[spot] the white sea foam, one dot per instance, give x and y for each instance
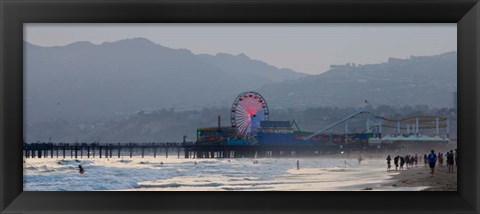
(149, 174)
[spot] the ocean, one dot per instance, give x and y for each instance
(242, 174)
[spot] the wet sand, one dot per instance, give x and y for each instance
(420, 176)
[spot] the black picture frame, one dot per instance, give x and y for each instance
(466, 13)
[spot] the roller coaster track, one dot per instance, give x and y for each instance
(382, 118)
(420, 127)
(414, 117)
(340, 121)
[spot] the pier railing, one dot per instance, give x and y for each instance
(184, 150)
(99, 150)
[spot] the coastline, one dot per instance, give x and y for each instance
(220, 175)
(420, 177)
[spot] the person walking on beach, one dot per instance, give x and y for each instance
(432, 159)
(455, 158)
(407, 161)
(425, 160)
(446, 157)
(360, 159)
(440, 159)
(410, 161)
(402, 162)
(395, 161)
(81, 170)
(415, 159)
(450, 161)
(388, 163)
(298, 164)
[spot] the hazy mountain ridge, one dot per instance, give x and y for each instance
(247, 69)
(425, 80)
(87, 81)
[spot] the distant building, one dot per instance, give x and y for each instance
(215, 135)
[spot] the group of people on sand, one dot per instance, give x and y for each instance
(400, 161)
(430, 159)
(451, 160)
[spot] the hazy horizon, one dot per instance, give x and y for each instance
(306, 48)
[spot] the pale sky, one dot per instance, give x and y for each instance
(307, 48)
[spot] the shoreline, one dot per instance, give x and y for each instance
(420, 177)
(314, 175)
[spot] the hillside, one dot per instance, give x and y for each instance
(84, 81)
(425, 80)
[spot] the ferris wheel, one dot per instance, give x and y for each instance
(248, 109)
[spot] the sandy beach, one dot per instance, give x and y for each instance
(420, 176)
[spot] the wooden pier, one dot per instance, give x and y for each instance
(182, 150)
(96, 150)
(273, 151)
